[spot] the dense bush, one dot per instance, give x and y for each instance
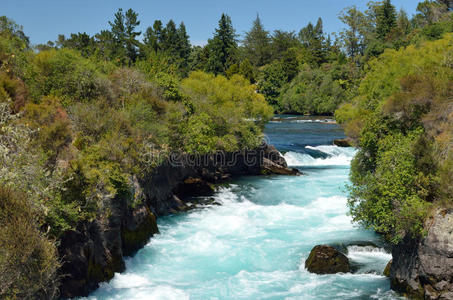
(319, 90)
(229, 113)
(402, 122)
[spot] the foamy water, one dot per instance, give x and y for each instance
(254, 246)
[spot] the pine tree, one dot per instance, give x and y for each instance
(125, 36)
(169, 39)
(257, 44)
(131, 42)
(222, 47)
(403, 22)
(118, 31)
(312, 37)
(184, 46)
(386, 20)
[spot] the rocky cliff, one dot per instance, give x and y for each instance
(423, 269)
(95, 250)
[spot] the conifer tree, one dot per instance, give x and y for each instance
(222, 47)
(385, 20)
(257, 44)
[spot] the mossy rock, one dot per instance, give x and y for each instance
(133, 240)
(387, 269)
(98, 273)
(324, 259)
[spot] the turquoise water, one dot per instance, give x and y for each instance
(255, 244)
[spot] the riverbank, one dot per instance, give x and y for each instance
(254, 245)
(96, 250)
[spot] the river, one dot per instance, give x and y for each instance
(254, 245)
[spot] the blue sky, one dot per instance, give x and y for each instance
(43, 20)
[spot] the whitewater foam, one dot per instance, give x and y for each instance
(335, 156)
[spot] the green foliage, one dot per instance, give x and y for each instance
(385, 19)
(227, 114)
(257, 44)
(272, 79)
(402, 123)
(28, 260)
(318, 90)
(66, 74)
(222, 47)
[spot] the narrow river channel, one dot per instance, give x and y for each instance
(254, 245)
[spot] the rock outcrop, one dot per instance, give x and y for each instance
(342, 142)
(95, 250)
(325, 259)
(423, 269)
(269, 167)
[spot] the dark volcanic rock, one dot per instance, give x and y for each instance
(274, 156)
(86, 260)
(423, 269)
(324, 259)
(95, 250)
(269, 167)
(387, 269)
(192, 187)
(342, 142)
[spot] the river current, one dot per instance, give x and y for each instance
(254, 245)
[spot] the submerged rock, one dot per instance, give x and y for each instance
(325, 259)
(423, 269)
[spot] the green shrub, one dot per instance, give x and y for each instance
(28, 260)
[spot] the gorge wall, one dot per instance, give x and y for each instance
(95, 250)
(423, 269)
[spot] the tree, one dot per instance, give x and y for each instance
(282, 41)
(257, 44)
(385, 20)
(403, 23)
(312, 37)
(290, 64)
(118, 31)
(106, 46)
(429, 12)
(184, 46)
(125, 36)
(153, 36)
(169, 39)
(80, 41)
(10, 28)
(353, 37)
(222, 47)
(131, 35)
(271, 81)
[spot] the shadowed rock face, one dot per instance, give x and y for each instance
(423, 269)
(95, 250)
(342, 142)
(324, 259)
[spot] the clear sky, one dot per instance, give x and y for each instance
(43, 20)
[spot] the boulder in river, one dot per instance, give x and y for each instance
(269, 167)
(325, 259)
